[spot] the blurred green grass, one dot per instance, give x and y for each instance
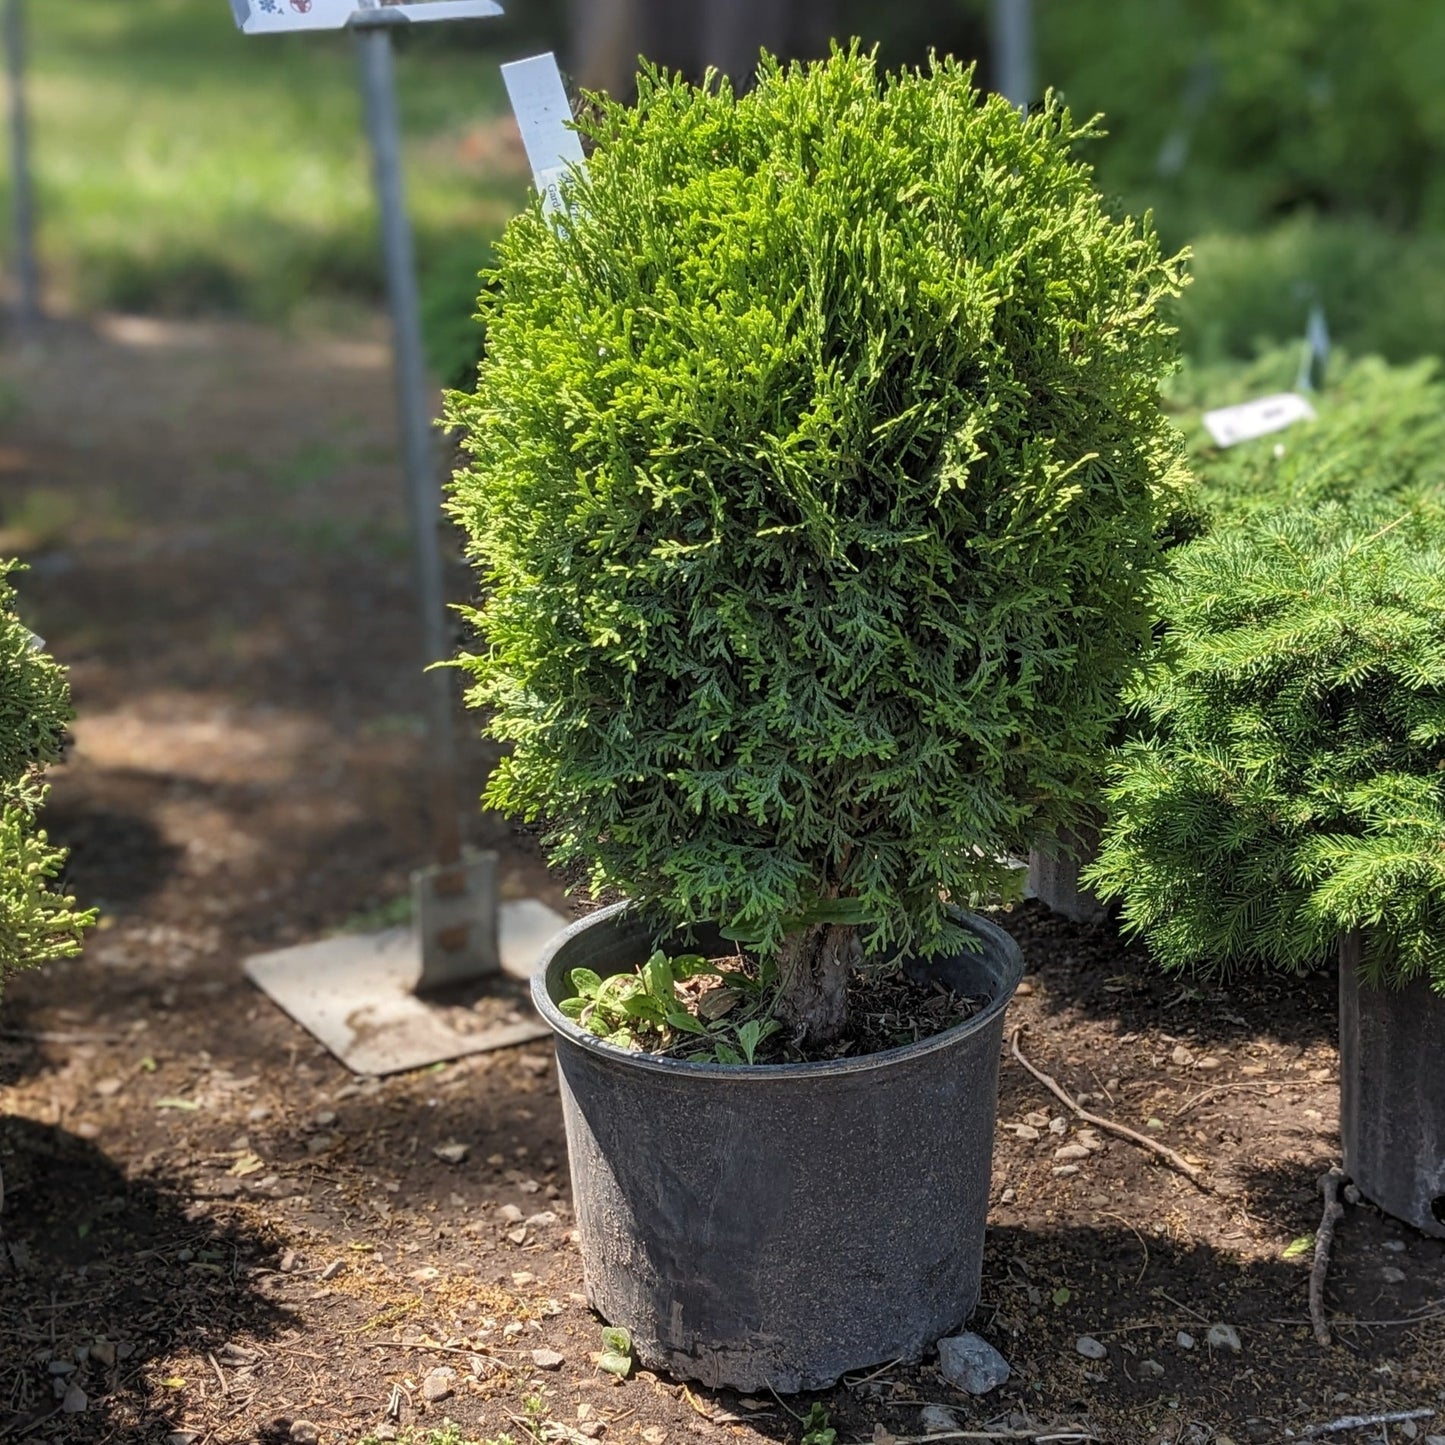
(184, 169)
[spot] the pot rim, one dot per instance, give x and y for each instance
(997, 938)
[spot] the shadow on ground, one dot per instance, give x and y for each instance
(1093, 971)
(100, 1275)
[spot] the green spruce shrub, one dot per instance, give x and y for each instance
(1288, 785)
(38, 924)
(816, 460)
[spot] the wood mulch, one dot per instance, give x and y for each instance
(213, 1232)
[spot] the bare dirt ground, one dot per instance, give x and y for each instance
(216, 1235)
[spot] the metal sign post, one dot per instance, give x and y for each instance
(22, 194)
(357, 994)
(1013, 51)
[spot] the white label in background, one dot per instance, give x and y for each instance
(1232, 424)
(269, 17)
(539, 101)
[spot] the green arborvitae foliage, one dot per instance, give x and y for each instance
(815, 463)
(37, 923)
(1290, 783)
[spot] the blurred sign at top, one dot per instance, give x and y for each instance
(268, 17)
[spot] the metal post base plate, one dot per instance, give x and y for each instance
(454, 906)
(356, 994)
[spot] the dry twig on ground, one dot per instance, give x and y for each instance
(1334, 1212)
(1173, 1160)
(1363, 1422)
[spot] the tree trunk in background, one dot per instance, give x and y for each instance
(604, 40)
(609, 35)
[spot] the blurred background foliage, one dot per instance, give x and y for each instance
(1297, 145)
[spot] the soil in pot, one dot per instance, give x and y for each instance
(778, 1225)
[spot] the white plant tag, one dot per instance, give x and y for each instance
(269, 17)
(1233, 424)
(539, 101)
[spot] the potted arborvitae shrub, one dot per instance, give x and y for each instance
(1285, 801)
(816, 463)
(38, 924)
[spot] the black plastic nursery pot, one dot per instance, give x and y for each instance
(1392, 1094)
(779, 1225)
(1054, 868)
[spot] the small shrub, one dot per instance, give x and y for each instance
(1382, 291)
(1379, 436)
(1289, 785)
(37, 923)
(816, 459)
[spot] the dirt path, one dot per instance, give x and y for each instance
(215, 1231)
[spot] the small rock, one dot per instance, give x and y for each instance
(103, 1353)
(1223, 1337)
(324, 1119)
(1391, 1275)
(1090, 1140)
(654, 1434)
(303, 1432)
(182, 1437)
(969, 1363)
(1065, 1171)
(256, 1114)
(1208, 1064)
(541, 1219)
(1352, 1195)
(452, 1153)
(521, 1277)
(1069, 1152)
(1026, 1132)
(87, 1130)
(438, 1384)
(333, 1269)
(510, 1214)
(1008, 1196)
(1181, 1057)
(75, 1400)
(61, 1367)
(937, 1421)
(591, 1428)
(1024, 989)
(1090, 1348)
(1059, 1125)
(1435, 1440)
(1395, 1246)
(288, 1261)
(109, 1088)
(1409, 1429)
(1151, 1367)
(1037, 1118)
(518, 1235)
(1184, 1340)
(548, 1359)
